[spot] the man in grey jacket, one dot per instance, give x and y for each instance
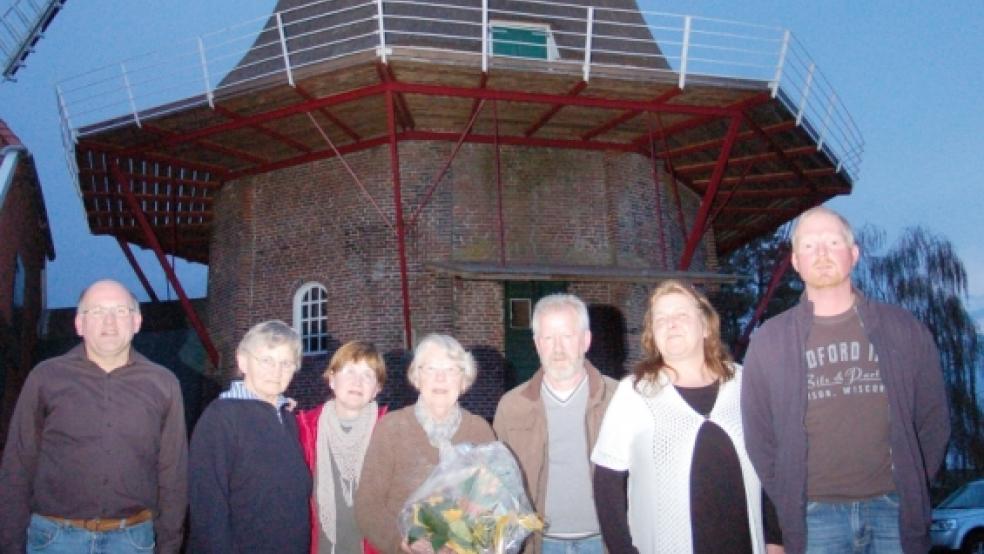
(844, 409)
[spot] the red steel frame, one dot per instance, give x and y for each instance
(138, 214)
(777, 272)
(398, 114)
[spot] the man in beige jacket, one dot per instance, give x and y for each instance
(551, 423)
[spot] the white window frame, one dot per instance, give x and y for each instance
(300, 301)
(553, 53)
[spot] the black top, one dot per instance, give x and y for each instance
(718, 510)
(86, 443)
(249, 485)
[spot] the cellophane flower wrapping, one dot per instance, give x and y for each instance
(473, 502)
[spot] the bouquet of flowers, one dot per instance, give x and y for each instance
(473, 503)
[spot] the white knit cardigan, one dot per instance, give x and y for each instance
(653, 438)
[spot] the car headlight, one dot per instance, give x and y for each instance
(943, 524)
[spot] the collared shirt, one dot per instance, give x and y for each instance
(86, 443)
(237, 390)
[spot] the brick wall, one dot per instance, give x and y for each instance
(21, 221)
(275, 232)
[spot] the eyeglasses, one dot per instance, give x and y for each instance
(350, 372)
(430, 370)
(116, 311)
(268, 363)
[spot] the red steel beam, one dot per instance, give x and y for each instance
(137, 211)
(697, 231)
(482, 82)
(329, 116)
(706, 118)
(790, 192)
(788, 212)
(351, 172)
(108, 150)
(658, 201)
(521, 141)
(777, 273)
(540, 98)
(401, 246)
(275, 135)
(548, 115)
(145, 196)
(305, 158)
(498, 184)
(403, 112)
(772, 145)
(263, 117)
(431, 135)
(209, 145)
(153, 179)
(716, 143)
(627, 115)
(773, 177)
(744, 160)
(447, 165)
(136, 269)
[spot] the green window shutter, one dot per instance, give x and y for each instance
(516, 41)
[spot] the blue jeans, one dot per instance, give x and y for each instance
(590, 545)
(45, 535)
(866, 526)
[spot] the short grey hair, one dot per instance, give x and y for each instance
(818, 210)
(452, 349)
(271, 334)
(134, 304)
(558, 301)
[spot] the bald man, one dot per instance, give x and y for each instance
(96, 456)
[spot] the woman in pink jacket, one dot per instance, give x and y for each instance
(335, 437)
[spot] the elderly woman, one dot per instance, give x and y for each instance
(248, 485)
(335, 437)
(673, 430)
(406, 444)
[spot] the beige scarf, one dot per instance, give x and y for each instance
(348, 449)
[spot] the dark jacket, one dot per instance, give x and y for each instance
(249, 487)
(774, 399)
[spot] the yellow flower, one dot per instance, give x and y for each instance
(452, 514)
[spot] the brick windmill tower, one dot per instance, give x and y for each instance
(387, 168)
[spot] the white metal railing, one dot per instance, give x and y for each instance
(587, 39)
(21, 25)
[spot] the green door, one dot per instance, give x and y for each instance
(521, 296)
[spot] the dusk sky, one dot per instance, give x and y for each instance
(908, 72)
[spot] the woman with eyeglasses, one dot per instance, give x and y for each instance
(249, 488)
(335, 437)
(406, 445)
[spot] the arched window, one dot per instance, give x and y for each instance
(311, 317)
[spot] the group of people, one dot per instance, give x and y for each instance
(824, 442)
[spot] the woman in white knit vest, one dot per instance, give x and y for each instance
(673, 432)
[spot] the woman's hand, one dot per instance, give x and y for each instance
(774, 549)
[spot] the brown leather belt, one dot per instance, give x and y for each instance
(103, 524)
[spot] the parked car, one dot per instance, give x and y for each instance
(958, 522)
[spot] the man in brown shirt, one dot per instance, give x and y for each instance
(96, 456)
